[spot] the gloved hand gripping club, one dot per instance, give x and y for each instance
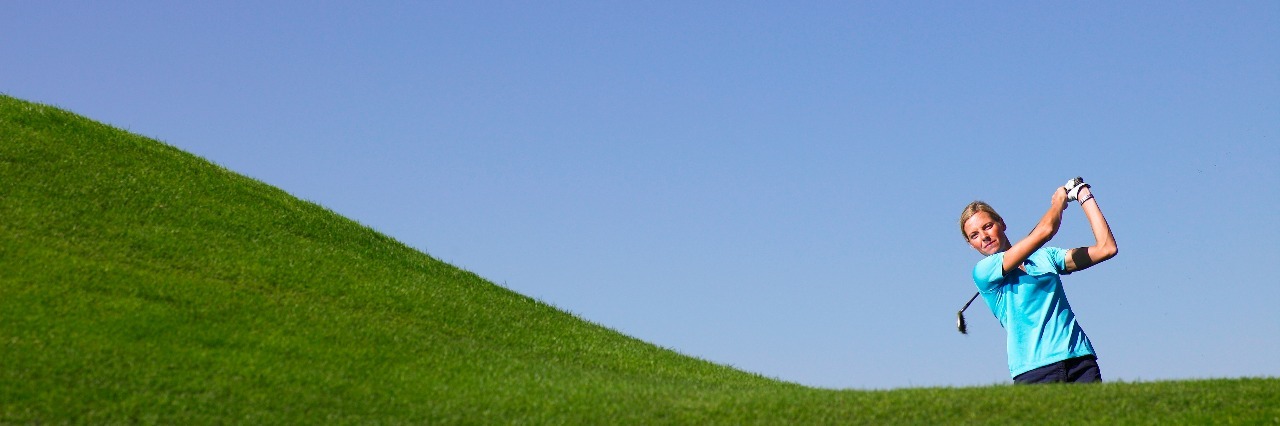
(1073, 187)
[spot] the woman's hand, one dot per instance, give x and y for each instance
(1059, 199)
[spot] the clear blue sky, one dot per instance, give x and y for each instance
(773, 186)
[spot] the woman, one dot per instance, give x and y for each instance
(1021, 283)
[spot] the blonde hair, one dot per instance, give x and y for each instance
(972, 209)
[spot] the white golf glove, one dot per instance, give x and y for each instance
(1073, 188)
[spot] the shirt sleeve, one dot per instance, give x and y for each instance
(989, 272)
(1058, 257)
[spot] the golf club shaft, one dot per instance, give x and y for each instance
(971, 299)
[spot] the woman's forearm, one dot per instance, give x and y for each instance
(1044, 231)
(1048, 226)
(1104, 241)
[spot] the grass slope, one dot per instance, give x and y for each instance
(139, 283)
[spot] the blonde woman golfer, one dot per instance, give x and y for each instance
(1022, 284)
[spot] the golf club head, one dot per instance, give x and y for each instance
(960, 325)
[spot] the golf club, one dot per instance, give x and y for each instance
(960, 325)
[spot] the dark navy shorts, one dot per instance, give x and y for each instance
(1075, 370)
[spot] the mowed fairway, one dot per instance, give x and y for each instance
(141, 284)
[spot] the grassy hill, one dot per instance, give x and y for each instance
(141, 284)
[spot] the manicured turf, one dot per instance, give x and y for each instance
(141, 284)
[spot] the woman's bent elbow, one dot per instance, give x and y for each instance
(1109, 251)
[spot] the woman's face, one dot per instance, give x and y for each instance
(985, 234)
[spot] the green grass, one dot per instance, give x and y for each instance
(141, 284)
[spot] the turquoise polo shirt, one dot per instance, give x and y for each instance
(1032, 307)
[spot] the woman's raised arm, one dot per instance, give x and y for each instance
(1041, 234)
(1104, 246)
